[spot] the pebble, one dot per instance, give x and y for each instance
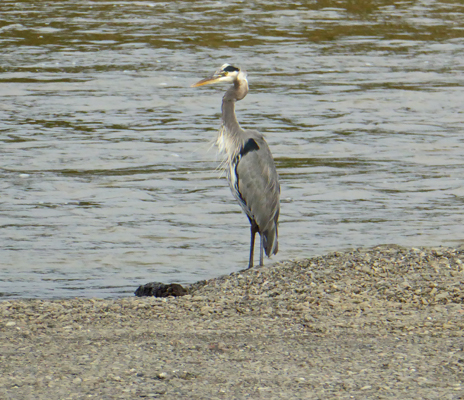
(162, 375)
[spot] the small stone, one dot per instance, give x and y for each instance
(162, 375)
(441, 296)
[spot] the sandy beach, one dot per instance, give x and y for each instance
(379, 323)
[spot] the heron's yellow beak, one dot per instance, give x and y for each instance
(207, 81)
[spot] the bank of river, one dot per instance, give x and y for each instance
(385, 323)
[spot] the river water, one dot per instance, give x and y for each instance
(108, 176)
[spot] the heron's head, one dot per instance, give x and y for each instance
(227, 73)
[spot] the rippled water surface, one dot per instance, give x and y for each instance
(108, 176)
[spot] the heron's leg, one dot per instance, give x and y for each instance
(261, 251)
(254, 229)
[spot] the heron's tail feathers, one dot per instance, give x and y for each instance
(270, 236)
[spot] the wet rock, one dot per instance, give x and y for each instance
(158, 289)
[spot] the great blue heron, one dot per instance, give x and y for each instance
(250, 167)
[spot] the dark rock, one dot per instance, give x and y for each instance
(159, 289)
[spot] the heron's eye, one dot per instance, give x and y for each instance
(230, 68)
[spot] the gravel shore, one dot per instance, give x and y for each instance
(379, 323)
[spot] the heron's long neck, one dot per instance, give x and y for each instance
(230, 138)
(233, 94)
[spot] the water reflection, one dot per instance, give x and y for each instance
(108, 178)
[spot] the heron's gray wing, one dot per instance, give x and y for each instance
(256, 187)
